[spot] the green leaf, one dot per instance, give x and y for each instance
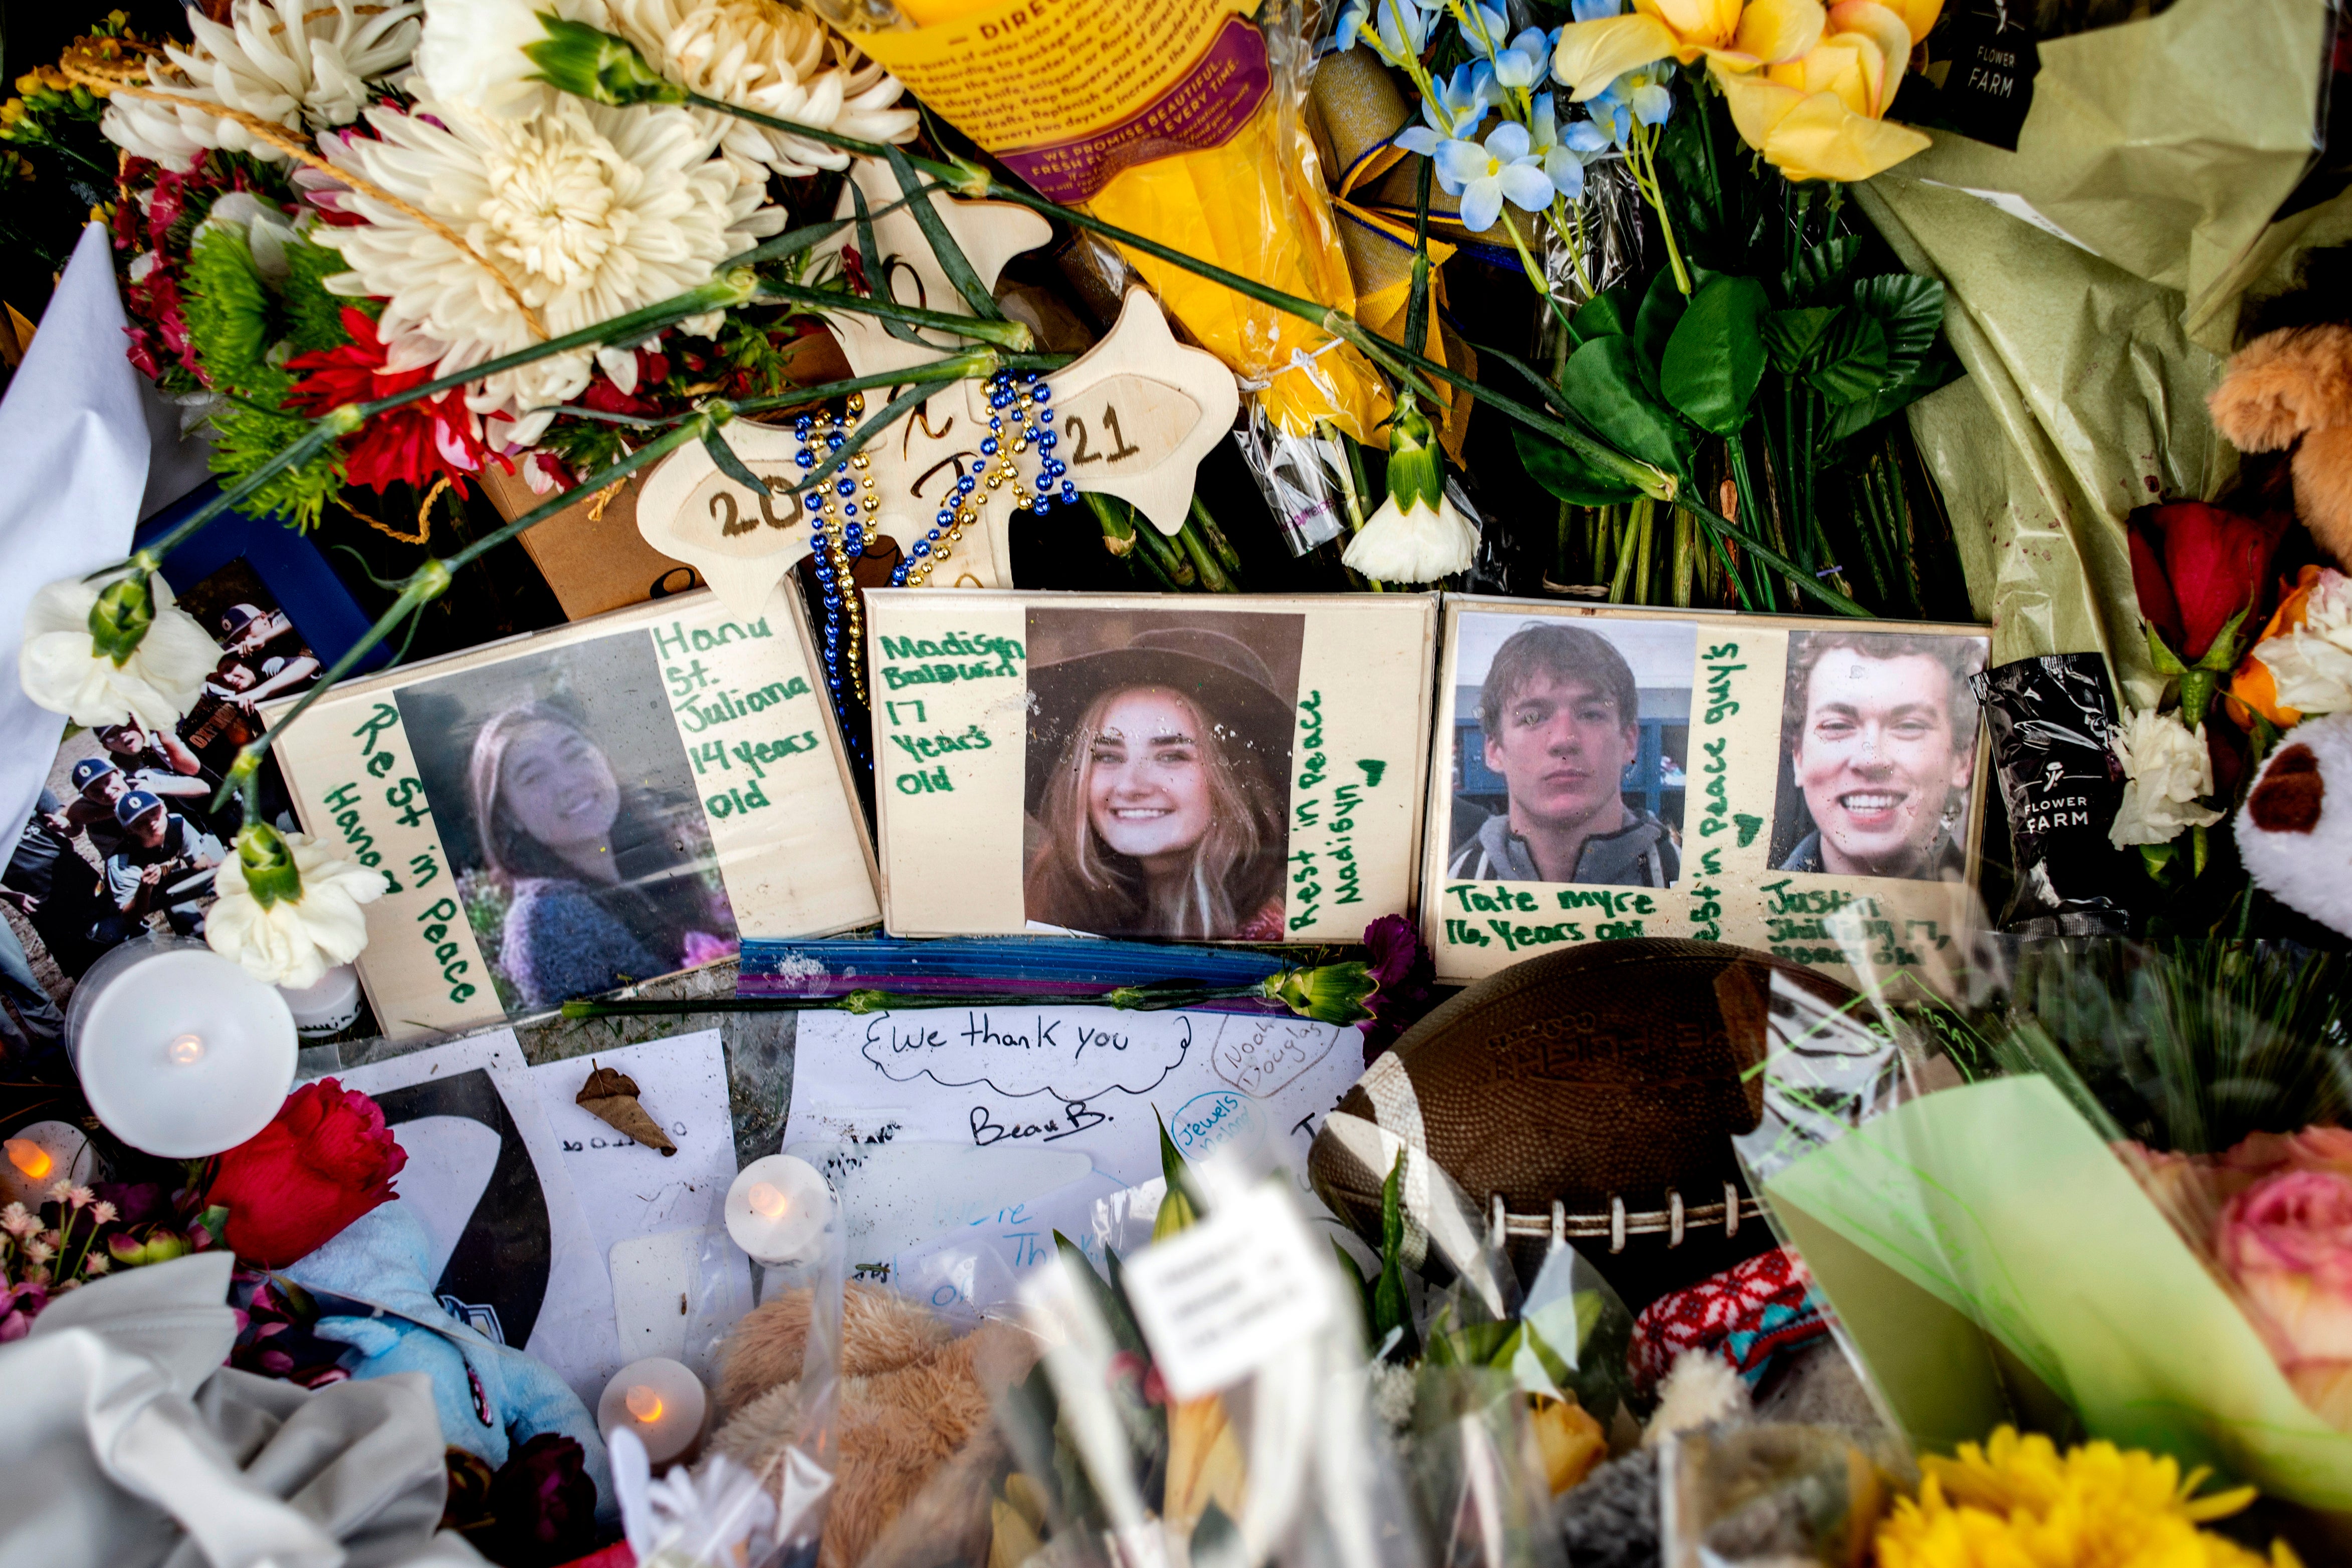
(1813, 277)
(876, 266)
(1217, 1541)
(1662, 309)
(1852, 359)
(1110, 1299)
(1792, 337)
(1392, 1308)
(1608, 314)
(1603, 385)
(1714, 357)
(1910, 308)
(1561, 471)
(730, 464)
(1850, 419)
(950, 255)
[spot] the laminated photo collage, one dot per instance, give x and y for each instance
(630, 796)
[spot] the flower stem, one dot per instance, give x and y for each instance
(1643, 160)
(1013, 335)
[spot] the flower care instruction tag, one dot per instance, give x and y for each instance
(1247, 770)
(1069, 92)
(610, 801)
(1811, 788)
(1225, 1297)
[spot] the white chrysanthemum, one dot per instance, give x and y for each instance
(302, 64)
(1419, 543)
(295, 941)
(773, 58)
(61, 669)
(2165, 770)
(588, 212)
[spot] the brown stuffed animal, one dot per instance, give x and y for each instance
(913, 1396)
(2289, 391)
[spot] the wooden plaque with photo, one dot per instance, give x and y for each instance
(614, 801)
(1202, 770)
(1601, 772)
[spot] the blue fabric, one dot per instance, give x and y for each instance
(490, 1398)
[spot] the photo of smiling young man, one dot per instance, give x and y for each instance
(1880, 731)
(1560, 725)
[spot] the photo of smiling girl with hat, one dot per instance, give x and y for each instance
(1158, 778)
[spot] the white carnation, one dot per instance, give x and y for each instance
(300, 63)
(1414, 544)
(293, 942)
(471, 53)
(60, 667)
(2165, 770)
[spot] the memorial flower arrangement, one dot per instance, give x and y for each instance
(390, 249)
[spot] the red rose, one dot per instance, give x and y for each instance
(2194, 565)
(325, 1159)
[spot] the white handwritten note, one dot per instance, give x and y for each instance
(1098, 1081)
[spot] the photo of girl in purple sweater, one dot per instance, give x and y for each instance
(562, 793)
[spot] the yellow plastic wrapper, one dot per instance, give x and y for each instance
(1176, 120)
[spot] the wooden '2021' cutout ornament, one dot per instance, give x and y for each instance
(1136, 414)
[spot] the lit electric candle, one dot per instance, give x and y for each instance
(777, 1208)
(179, 1050)
(38, 1157)
(658, 1399)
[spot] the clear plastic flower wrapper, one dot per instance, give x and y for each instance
(1202, 1399)
(2094, 1187)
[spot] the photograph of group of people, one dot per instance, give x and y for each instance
(125, 837)
(1571, 751)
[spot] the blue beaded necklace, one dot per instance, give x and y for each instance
(1019, 401)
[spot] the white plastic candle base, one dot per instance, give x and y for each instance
(180, 1052)
(777, 1207)
(658, 1399)
(327, 1008)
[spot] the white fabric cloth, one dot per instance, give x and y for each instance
(127, 1443)
(74, 450)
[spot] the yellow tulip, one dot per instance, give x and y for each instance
(1729, 36)
(1570, 1439)
(1204, 1463)
(1822, 116)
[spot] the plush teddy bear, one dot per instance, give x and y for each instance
(491, 1399)
(914, 1398)
(2289, 391)
(2295, 832)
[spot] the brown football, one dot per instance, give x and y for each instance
(1617, 1070)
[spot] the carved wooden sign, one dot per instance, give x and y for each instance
(1135, 415)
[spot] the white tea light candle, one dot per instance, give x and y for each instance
(777, 1207)
(179, 1050)
(327, 1008)
(658, 1399)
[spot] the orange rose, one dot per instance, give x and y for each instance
(2251, 688)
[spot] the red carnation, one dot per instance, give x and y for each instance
(416, 444)
(2194, 565)
(325, 1159)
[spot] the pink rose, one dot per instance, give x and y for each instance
(2182, 1186)
(2287, 1242)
